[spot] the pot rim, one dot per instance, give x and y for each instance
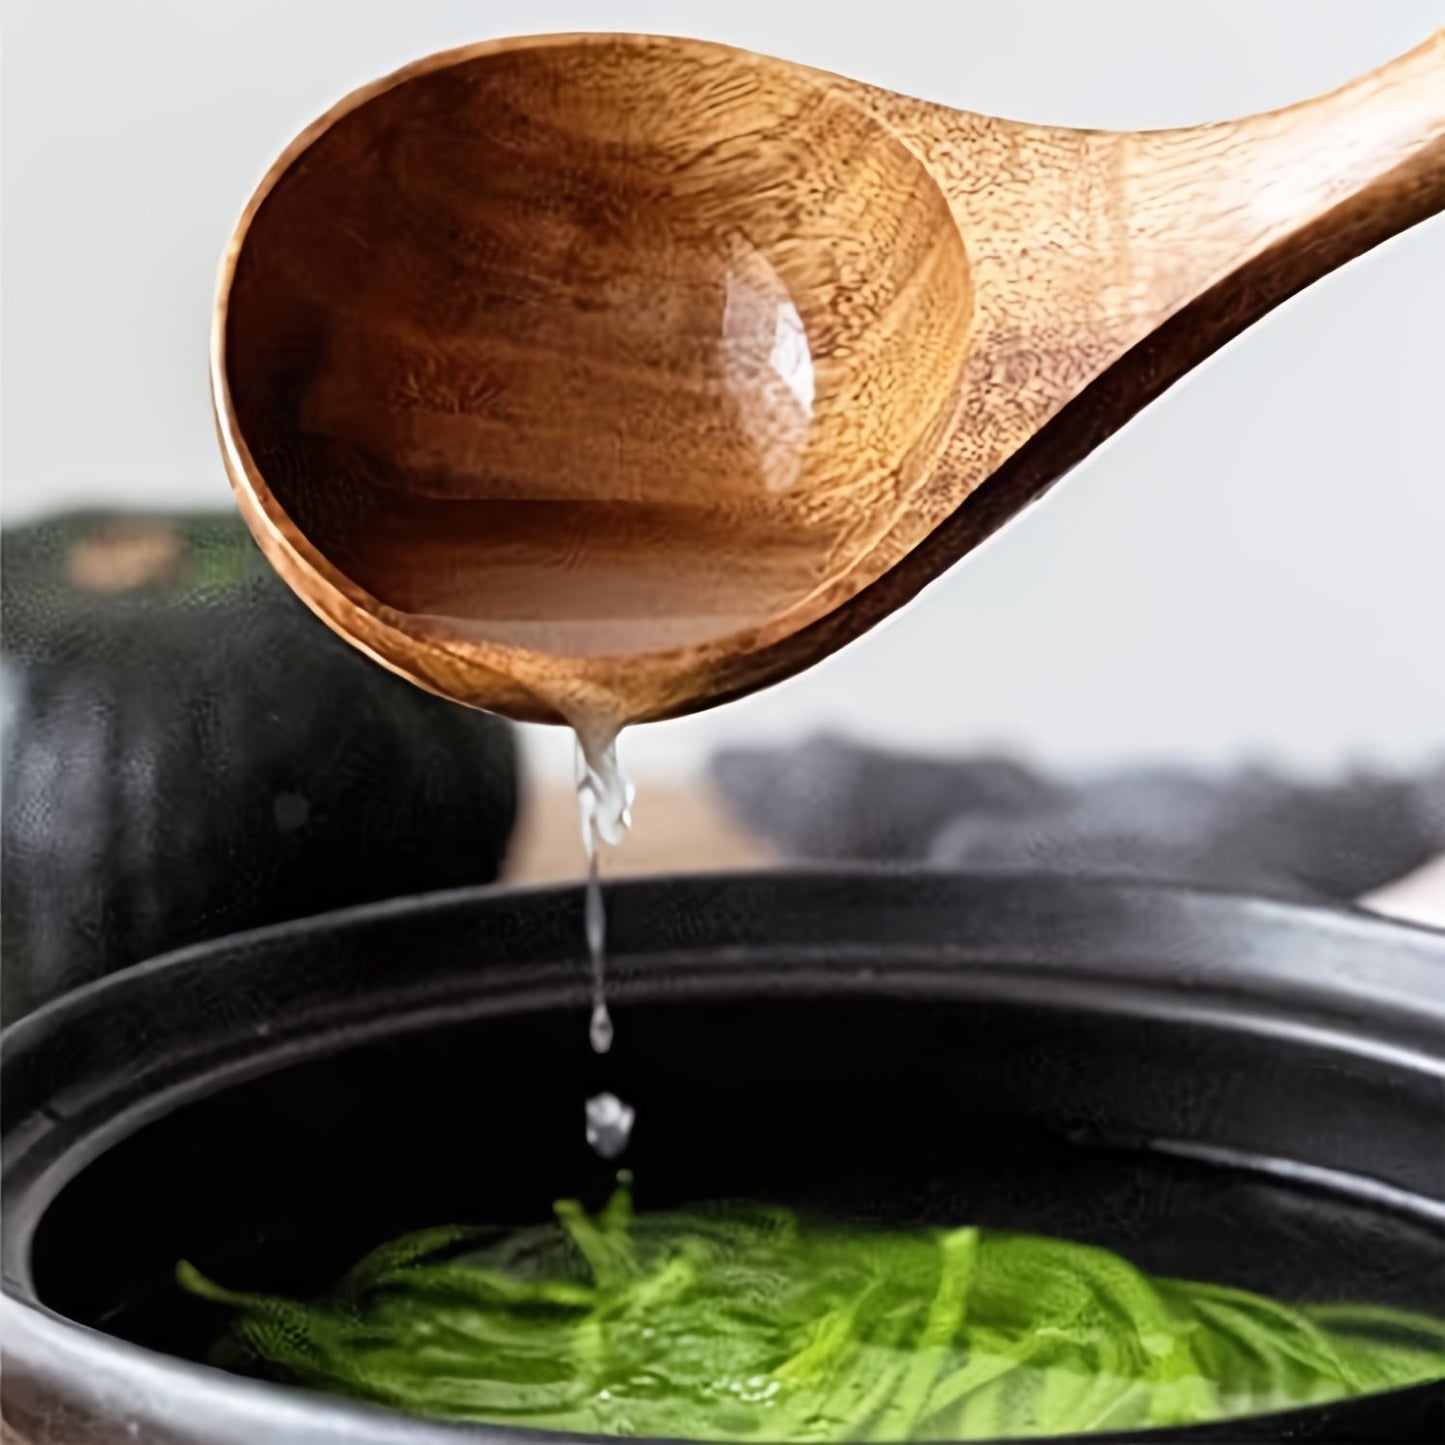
(1341, 919)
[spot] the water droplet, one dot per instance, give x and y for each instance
(609, 1124)
(601, 1029)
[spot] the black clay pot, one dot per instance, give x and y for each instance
(187, 752)
(1218, 1087)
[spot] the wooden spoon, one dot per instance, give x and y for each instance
(603, 377)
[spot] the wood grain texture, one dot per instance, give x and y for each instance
(608, 377)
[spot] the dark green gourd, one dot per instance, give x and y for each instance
(189, 752)
(749, 1323)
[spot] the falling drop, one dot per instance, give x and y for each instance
(600, 1032)
(609, 1124)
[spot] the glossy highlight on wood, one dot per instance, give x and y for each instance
(604, 377)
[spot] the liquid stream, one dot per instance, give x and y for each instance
(604, 798)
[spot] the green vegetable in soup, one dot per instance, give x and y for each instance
(740, 1322)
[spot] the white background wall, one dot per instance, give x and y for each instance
(1257, 565)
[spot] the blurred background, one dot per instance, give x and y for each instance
(1249, 575)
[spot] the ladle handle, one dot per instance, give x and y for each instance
(1206, 230)
(1278, 200)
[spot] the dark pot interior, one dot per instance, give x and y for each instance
(1232, 1090)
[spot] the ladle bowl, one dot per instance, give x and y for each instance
(604, 375)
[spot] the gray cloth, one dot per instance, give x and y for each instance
(832, 800)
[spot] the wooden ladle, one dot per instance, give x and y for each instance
(603, 376)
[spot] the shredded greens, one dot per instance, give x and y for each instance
(743, 1323)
